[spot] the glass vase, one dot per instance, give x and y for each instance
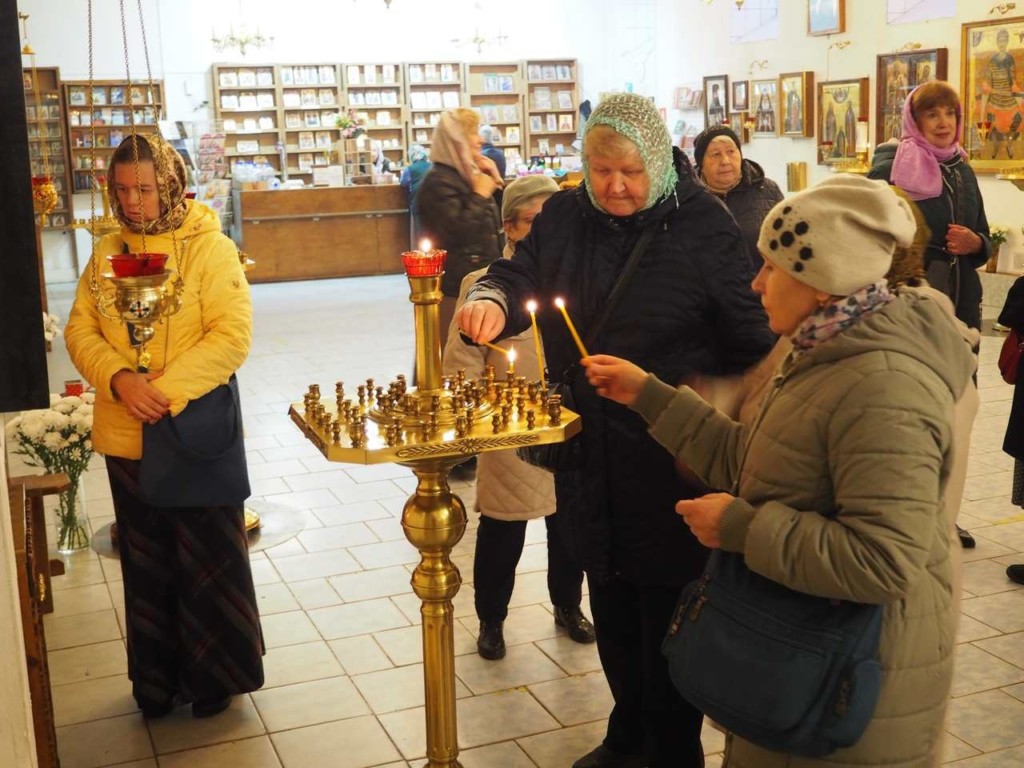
(71, 533)
(992, 265)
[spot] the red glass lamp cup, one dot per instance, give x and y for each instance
(424, 263)
(137, 264)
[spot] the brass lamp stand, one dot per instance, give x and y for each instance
(430, 430)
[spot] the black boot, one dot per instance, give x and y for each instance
(966, 540)
(209, 707)
(490, 643)
(579, 627)
(1015, 573)
(602, 757)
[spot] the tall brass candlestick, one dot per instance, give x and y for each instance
(572, 328)
(531, 307)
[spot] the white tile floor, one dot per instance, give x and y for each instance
(343, 667)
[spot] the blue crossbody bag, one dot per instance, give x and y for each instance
(785, 670)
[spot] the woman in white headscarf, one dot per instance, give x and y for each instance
(456, 204)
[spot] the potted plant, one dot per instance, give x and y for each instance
(998, 234)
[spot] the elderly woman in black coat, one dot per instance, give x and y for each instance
(686, 310)
(738, 181)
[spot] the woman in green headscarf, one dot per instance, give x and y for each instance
(687, 309)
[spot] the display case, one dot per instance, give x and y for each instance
(311, 96)
(433, 87)
(552, 106)
(97, 123)
(495, 90)
(44, 110)
(376, 93)
(246, 100)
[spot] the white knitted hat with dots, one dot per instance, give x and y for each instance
(839, 235)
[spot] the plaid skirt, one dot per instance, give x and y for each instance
(192, 622)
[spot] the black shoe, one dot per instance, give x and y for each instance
(154, 711)
(602, 757)
(1015, 573)
(579, 627)
(209, 707)
(490, 643)
(966, 540)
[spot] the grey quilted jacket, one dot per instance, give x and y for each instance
(861, 425)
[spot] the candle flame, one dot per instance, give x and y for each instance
(531, 306)
(559, 303)
(425, 245)
(511, 354)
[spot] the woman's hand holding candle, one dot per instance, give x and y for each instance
(481, 320)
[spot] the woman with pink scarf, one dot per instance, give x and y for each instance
(929, 164)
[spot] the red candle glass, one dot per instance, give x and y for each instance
(137, 264)
(424, 263)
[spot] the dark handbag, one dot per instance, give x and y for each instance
(568, 454)
(1009, 356)
(197, 458)
(785, 670)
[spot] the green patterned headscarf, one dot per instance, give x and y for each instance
(636, 118)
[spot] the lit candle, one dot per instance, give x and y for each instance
(496, 348)
(531, 307)
(572, 328)
(511, 361)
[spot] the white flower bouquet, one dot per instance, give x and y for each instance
(59, 439)
(51, 326)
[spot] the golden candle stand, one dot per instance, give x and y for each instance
(100, 225)
(858, 165)
(430, 430)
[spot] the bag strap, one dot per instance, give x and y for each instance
(627, 271)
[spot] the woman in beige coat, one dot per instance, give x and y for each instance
(509, 491)
(840, 484)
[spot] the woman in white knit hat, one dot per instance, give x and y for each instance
(839, 482)
(509, 492)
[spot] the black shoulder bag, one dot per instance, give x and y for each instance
(567, 455)
(197, 458)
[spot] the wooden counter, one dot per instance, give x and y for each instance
(303, 234)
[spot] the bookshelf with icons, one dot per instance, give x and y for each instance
(375, 93)
(44, 110)
(552, 106)
(96, 126)
(433, 87)
(311, 96)
(246, 99)
(495, 90)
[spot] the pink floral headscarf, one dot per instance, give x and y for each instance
(915, 169)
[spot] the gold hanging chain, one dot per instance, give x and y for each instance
(44, 150)
(94, 280)
(134, 129)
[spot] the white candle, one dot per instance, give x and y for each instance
(862, 135)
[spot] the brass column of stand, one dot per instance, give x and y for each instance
(430, 430)
(434, 520)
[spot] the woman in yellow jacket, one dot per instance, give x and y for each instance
(193, 626)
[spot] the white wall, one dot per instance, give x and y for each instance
(17, 738)
(699, 52)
